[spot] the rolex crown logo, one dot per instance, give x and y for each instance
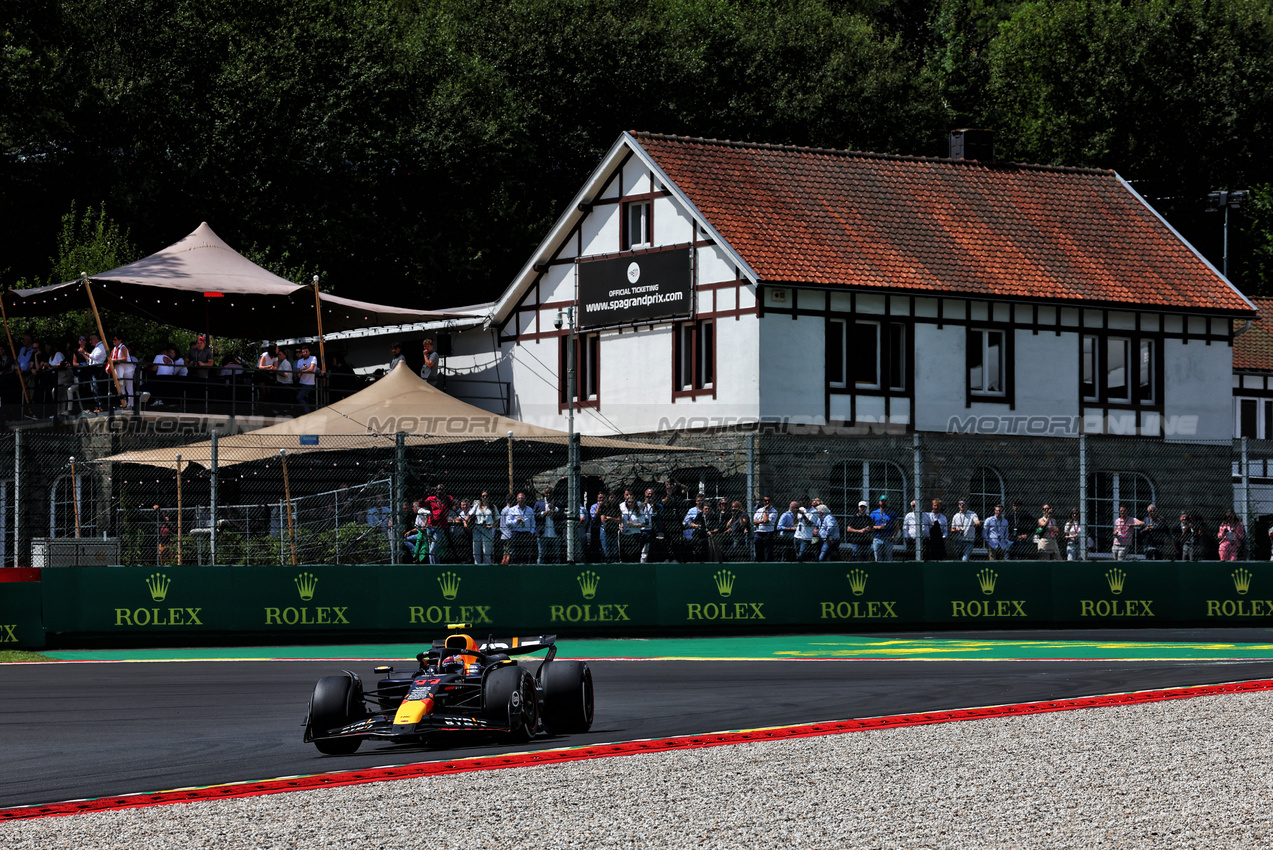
(857, 581)
(986, 579)
(724, 583)
(158, 584)
(450, 584)
(1115, 577)
(305, 584)
(1241, 581)
(588, 581)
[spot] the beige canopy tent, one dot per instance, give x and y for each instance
(398, 402)
(203, 284)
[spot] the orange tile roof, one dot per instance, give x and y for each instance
(839, 218)
(1253, 348)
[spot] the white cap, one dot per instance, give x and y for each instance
(863, 505)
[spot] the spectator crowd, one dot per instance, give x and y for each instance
(86, 375)
(666, 524)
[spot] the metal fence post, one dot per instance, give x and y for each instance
(1246, 488)
(752, 496)
(18, 491)
(572, 501)
(214, 476)
(917, 472)
(396, 493)
(1083, 497)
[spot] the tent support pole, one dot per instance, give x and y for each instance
(215, 475)
(322, 346)
(179, 507)
(397, 495)
(287, 494)
(5, 313)
(75, 499)
(101, 332)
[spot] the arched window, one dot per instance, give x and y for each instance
(856, 481)
(69, 498)
(985, 490)
(1105, 492)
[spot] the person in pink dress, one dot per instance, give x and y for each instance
(1231, 536)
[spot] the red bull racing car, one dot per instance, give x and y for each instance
(459, 686)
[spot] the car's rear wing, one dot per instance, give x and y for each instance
(508, 645)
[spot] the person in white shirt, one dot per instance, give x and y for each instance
(998, 535)
(910, 530)
(482, 525)
(266, 365)
(61, 367)
(634, 522)
(122, 366)
(549, 529)
(307, 372)
(764, 523)
(283, 371)
(935, 529)
(963, 527)
(520, 519)
(806, 533)
(96, 357)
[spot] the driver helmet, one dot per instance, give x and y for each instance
(453, 664)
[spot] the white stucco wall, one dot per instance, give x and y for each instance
(939, 377)
(1199, 390)
(791, 358)
(1047, 374)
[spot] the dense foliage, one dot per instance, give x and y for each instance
(416, 150)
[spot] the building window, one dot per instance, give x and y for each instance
(638, 225)
(1254, 418)
(865, 481)
(987, 363)
(694, 358)
(72, 498)
(1105, 492)
(1119, 369)
(587, 370)
(871, 354)
(985, 490)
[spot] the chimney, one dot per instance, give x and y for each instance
(978, 145)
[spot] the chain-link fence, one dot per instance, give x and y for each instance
(117, 491)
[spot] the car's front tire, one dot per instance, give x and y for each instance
(568, 696)
(337, 702)
(509, 699)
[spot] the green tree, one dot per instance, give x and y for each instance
(1257, 230)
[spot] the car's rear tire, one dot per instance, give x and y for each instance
(337, 701)
(509, 699)
(568, 696)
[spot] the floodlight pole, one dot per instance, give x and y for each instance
(1226, 201)
(572, 456)
(320, 387)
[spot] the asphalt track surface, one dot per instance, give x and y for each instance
(75, 731)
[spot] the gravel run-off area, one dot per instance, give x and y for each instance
(1183, 773)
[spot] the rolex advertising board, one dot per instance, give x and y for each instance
(419, 602)
(862, 594)
(1230, 593)
(426, 599)
(21, 626)
(728, 596)
(635, 288)
(1131, 593)
(988, 594)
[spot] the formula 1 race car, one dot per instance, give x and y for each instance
(459, 686)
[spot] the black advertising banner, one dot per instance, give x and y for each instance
(635, 288)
